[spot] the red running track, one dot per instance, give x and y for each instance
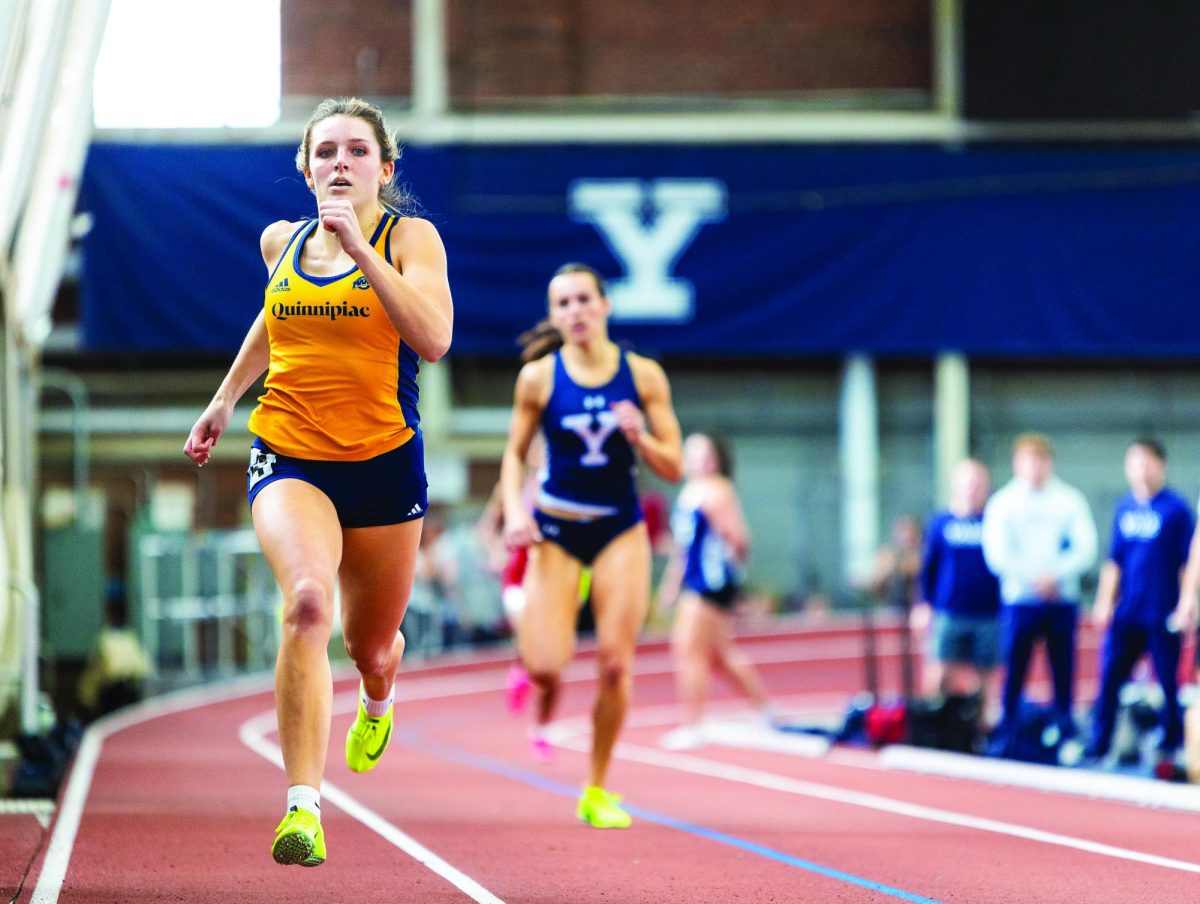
(175, 801)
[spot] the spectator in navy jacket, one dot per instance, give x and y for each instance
(1138, 590)
(962, 592)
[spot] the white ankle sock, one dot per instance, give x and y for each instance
(376, 708)
(306, 798)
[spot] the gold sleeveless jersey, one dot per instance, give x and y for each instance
(342, 383)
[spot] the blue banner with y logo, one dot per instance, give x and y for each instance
(725, 251)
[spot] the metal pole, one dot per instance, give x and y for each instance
(951, 419)
(948, 58)
(77, 391)
(430, 76)
(858, 442)
(18, 516)
(30, 658)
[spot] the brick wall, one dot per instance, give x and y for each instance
(547, 48)
(335, 47)
(502, 49)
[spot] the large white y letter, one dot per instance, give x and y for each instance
(648, 226)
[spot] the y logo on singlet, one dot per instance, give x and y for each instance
(593, 426)
(648, 225)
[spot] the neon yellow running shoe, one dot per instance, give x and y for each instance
(300, 839)
(367, 739)
(600, 809)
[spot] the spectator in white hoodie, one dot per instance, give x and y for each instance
(1039, 539)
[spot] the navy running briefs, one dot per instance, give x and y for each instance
(388, 489)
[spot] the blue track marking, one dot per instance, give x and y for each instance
(498, 767)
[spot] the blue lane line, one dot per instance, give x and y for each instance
(497, 767)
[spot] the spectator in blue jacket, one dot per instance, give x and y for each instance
(962, 592)
(1138, 591)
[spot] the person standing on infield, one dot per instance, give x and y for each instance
(1138, 592)
(1039, 539)
(961, 595)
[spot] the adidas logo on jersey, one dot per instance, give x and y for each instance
(281, 286)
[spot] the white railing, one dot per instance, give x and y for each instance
(207, 605)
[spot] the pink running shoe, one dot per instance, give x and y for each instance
(516, 689)
(540, 748)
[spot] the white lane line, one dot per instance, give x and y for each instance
(251, 734)
(58, 854)
(743, 775)
(66, 826)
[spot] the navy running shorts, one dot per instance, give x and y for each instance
(388, 489)
(586, 539)
(722, 598)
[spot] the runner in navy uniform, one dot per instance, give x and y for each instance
(601, 410)
(701, 581)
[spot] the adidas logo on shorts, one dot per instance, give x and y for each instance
(415, 510)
